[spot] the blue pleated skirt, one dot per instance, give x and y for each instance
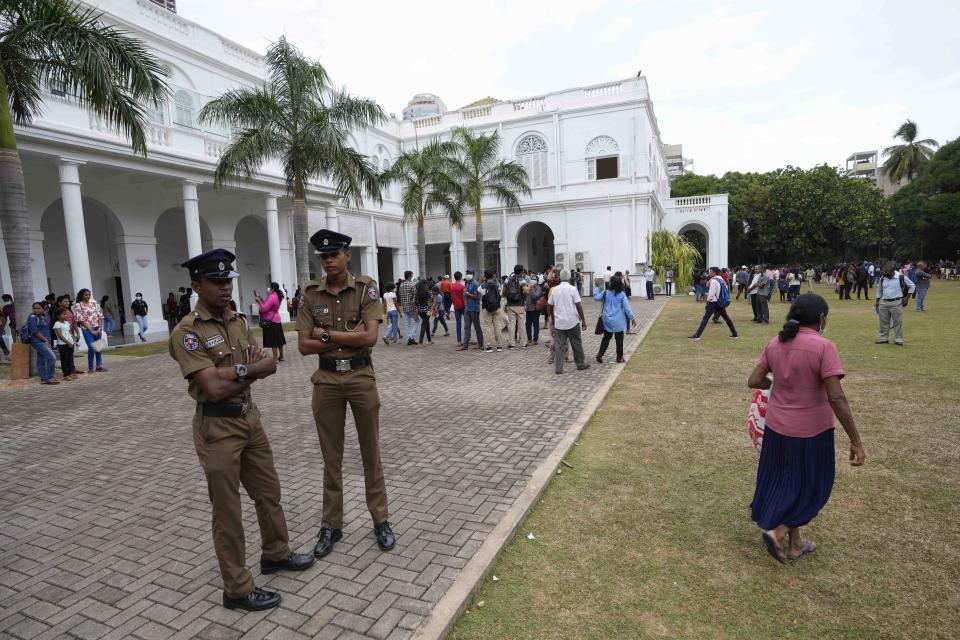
(794, 479)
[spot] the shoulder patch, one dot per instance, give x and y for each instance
(190, 341)
(372, 294)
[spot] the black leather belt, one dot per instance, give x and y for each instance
(220, 410)
(345, 364)
(892, 299)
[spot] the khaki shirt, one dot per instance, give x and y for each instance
(200, 341)
(358, 301)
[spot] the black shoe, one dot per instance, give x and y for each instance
(385, 537)
(325, 541)
(257, 600)
(599, 359)
(583, 368)
(413, 342)
(293, 562)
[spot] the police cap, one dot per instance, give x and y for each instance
(327, 241)
(216, 264)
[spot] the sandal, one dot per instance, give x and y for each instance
(808, 547)
(774, 549)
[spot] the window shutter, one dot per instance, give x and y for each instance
(591, 169)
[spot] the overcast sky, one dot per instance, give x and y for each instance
(745, 86)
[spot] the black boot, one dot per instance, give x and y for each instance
(385, 537)
(325, 541)
(257, 600)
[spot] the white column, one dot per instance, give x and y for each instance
(191, 218)
(332, 218)
(73, 219)
(458, 252)
(372, 269)
(273, 239)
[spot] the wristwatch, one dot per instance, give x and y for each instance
(325, 336)
(241, 370)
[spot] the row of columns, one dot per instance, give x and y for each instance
(72, 197)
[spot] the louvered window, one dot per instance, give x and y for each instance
(532, 155)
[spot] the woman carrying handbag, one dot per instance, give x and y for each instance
(270, 321)
(89, 317)
(615, 313)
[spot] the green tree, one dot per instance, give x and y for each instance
(927, 211)
(905, 159)
(480, 173)
(424, 176)
(692, 184)
(59, 43)
(299, 118)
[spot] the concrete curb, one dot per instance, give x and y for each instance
(454, 601)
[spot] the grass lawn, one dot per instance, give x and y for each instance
(649, 534)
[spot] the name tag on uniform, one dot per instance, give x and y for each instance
(321, 309)
(214, 341)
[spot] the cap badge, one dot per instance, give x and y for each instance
(220, 266)
(326, 242)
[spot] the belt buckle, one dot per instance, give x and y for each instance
(343, 366)
(246, 407)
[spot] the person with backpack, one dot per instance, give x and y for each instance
(535, 301)
(718, 299)
(491, 315)
(36, 332)
(514, 291)
(140, 310)
(471, 305)
(615, 314)
(893, 294)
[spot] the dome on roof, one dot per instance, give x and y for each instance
(424, 104)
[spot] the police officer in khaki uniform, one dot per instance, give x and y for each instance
(220, 358)
(340, 321)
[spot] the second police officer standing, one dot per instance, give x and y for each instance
(220, 359)
(340, 322)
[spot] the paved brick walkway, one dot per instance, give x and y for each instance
(104, 518)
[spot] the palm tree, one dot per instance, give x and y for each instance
(906, 158)
(426, 186)
(59, 43)
(481, 173)
(299, 118)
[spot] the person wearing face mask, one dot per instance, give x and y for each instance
(471, 296)
(140, 309)
(796, 470)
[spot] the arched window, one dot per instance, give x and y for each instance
(603, 159)
(183, 109)
(388, 190)
(532, 154)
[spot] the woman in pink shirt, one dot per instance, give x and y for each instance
(796, 470)
(270, 321)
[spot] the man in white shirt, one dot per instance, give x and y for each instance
(568, 321)
(606, 277)
(648, 276)
(713, 305)
(893, 294)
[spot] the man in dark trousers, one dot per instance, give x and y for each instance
(715, 307)
(183, 304)
(340, 322)
(220, 359)
(862, 277)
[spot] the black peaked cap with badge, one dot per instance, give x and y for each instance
(216, 264)
(328, 241)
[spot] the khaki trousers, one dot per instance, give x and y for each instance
(891, 312)
(235, 451)
(492, 322)
(516, 319)
(331, 393)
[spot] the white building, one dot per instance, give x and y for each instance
(118, 223)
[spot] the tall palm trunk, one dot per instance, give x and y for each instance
(421, 247)
(301, 233)
(14, 220)
(481, 256)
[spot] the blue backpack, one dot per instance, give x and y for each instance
(724, 299)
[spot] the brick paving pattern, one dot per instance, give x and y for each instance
(105, 521)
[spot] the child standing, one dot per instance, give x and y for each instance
(63, 340)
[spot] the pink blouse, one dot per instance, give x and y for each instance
(798, 405)
(88, 313)
(269, 310)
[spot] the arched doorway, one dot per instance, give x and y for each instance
(253, 262)
(700, 237)
(102, 228)
(535, 248)
(170, 231)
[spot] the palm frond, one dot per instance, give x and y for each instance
(243, 108)
(246, 153)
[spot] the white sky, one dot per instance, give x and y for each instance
(745, 86)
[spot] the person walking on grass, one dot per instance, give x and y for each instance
(568, 321)
(893, 295)
(760, 289)
(616, 313)
(922, 280)
(718, 299)
(796, 470)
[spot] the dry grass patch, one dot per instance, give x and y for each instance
(649, 535)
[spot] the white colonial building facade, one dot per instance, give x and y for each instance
(105, 218)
